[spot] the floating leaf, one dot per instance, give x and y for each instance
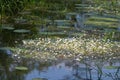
(61, 20)
(72, 13)
(25, 12)
(20, 20)
(7, 26)
(112, 67)
(21, 31)
(21, 68)
(63, 26)
(83, 5)
(3, 48)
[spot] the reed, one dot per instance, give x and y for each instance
(11, 7)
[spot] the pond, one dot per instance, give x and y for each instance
(51, 44)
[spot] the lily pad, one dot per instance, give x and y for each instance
(63, 26)
(83, 5)
(21, 68)
(61, 20)
(25, 12)
(39, 79)
(21, 31)
(3, 48)
(8, 28)
(72, 13)
(112, 67)
(20, 20)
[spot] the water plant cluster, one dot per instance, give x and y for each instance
(103, 22)
(62, 48)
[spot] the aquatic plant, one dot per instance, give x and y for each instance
(102, 22)
(47, 48)
(21, 68)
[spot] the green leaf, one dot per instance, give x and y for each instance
(21, 31)
(21, 68)
(8, 28)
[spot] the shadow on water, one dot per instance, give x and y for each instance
(13, 34)
(7, 38)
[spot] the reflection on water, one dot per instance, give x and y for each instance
(57, 70)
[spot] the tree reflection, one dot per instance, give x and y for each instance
(7, 68)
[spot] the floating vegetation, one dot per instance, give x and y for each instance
(7, 27)
(4, 48)
(21, 31)
(21, 20)
(83, 5)
(21, 68)
(65, 27)
(62, 22)
(72, 13)
(47, 48)
(103, 19)
(102, 22)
